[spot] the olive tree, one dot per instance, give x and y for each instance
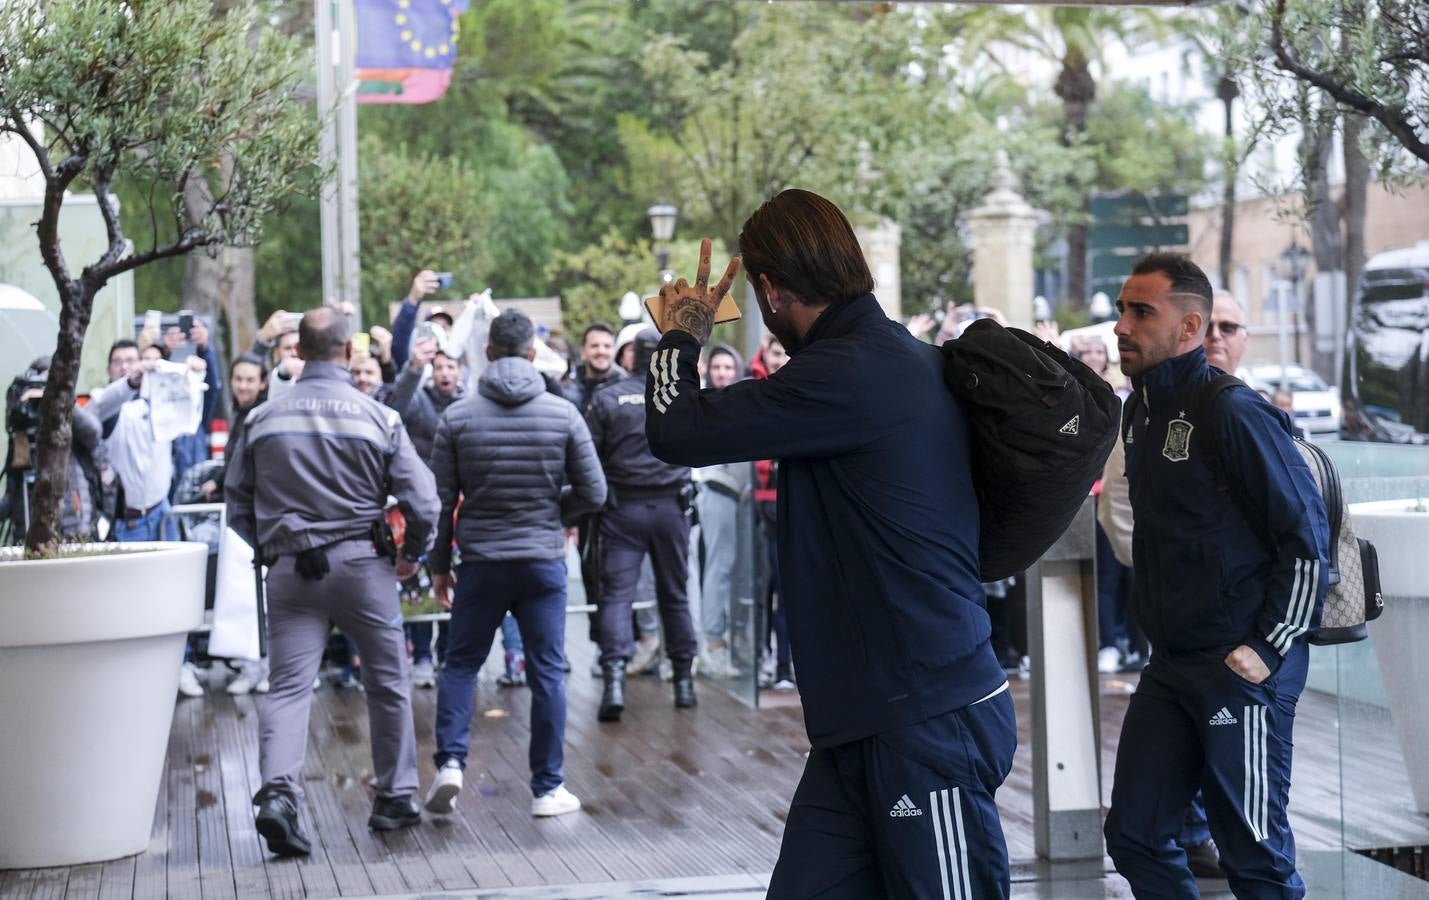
(167, 93)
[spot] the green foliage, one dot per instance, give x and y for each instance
(1368, 57)
(160, 91)
(1142, 145)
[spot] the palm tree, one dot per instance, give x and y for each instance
(1073, 39)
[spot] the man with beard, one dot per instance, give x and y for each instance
(1230, 551)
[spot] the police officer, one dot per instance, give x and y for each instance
(307, 486)
(645, 514)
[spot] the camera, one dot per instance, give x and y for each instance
(23, 415)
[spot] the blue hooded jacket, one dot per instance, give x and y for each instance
(877, 518)
(1231, 542)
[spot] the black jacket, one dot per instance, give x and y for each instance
(877, 519)
(617, 426)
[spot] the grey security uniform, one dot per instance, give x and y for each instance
(313, 470)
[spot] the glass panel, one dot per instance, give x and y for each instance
(1379, 684)
(725, 575)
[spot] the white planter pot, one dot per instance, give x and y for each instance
(1401, 634)
(90, 651)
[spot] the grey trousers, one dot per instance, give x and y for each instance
(719, 529)
(359, 594)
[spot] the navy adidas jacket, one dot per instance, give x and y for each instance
(1231, 542)
(877, 518)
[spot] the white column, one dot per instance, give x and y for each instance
(1003, 230)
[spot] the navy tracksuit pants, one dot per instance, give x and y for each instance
(907, 813)
(1195, 724)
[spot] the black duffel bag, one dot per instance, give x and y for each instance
(1041, 426)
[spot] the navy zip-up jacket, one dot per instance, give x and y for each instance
(877, 518)
(1231, 542)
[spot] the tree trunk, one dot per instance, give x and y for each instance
(1326, 245)
(218, 283)
(1077, 89)
(1357, 177)
(1227, 90)
(56, 414)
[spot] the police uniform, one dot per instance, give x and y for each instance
(646, 516)
(311, 476)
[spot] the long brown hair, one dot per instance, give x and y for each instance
(804, 244)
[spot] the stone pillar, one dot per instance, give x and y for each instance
(1003, 229)
(881, 245)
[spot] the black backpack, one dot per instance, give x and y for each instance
(1354, 597)
(1041, 426)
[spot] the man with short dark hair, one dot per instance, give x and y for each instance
(597, 366)
(520, 461)
(906, 705)
(1230, 546)
(306, 488)
(647, 514)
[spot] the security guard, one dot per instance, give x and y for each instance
(645, 514)
(306, 489)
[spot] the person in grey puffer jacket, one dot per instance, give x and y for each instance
(522, 463)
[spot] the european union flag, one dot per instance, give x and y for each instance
(407, 34)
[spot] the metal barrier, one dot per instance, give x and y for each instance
(1066, 708)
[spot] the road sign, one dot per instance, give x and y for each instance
(1129, 207)
(1110, 265)
(1107, 237)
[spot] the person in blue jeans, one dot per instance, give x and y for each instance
(522, 462)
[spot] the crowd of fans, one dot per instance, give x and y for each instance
(124, 479)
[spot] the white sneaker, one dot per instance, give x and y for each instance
(556, 802)
(646, 650)
(317, 682)
(188, 681)
(423, 674)
(251, 676)
(441, 797)
(1108, 660)
(717, 664)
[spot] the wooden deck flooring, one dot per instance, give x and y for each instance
(667, 794)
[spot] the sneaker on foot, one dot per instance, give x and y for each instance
(646, 651)
(423, 674)
(391, 813)
(515, 674)
(716, 663)
(350, 679)
(1024, 668)
(188, 681)
(1108, 660)
(249, 677)
(317, 682)
(441, 797)
(556, 802)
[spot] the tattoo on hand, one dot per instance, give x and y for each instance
(694, 316)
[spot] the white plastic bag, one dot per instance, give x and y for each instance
(235, 602)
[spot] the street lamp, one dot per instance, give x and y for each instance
(1293, 263)
(630, 307)
(662, 226)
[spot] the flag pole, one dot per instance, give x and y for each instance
(327, 146)
(350, 285)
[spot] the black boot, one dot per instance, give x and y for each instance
(684, 684)
(612, 701)
(277, 822)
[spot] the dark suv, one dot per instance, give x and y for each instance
(1385, 393)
